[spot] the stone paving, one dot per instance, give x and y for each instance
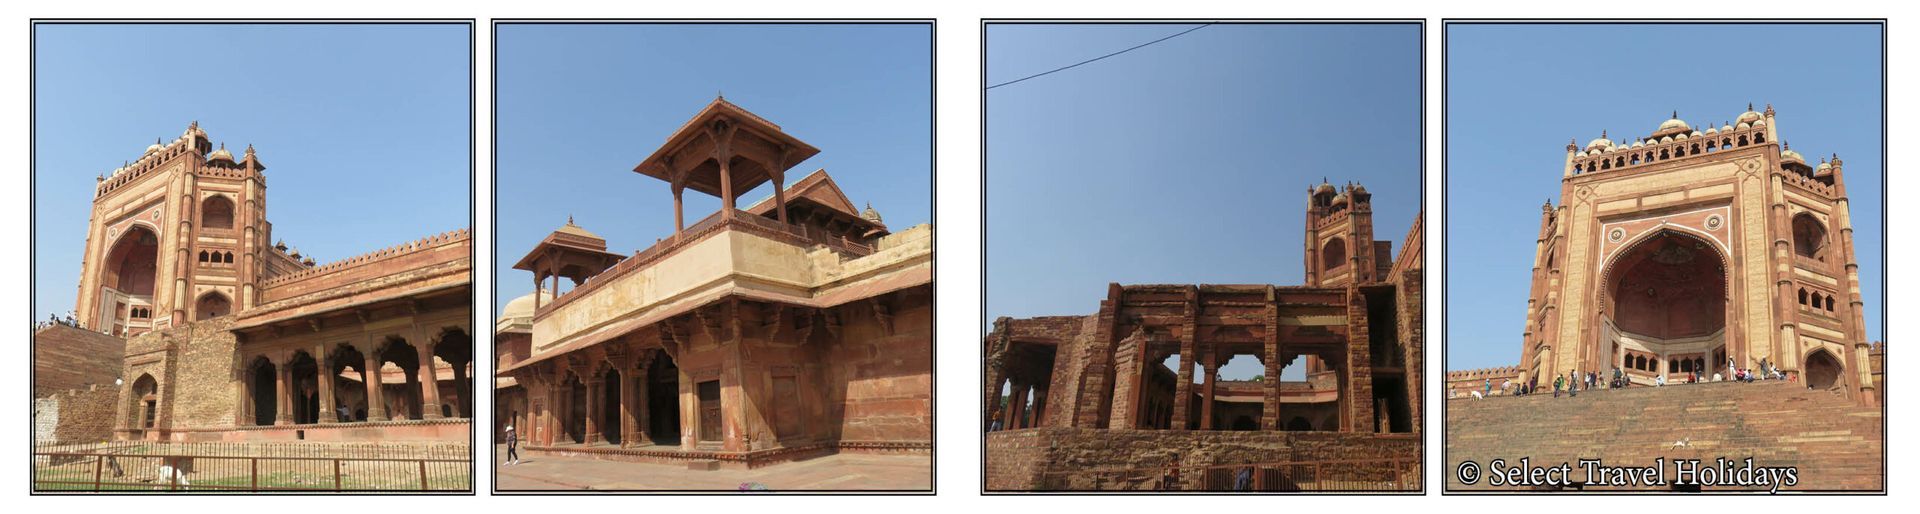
(833, 472)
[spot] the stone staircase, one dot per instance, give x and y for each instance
(1835, 443)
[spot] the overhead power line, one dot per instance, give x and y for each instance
(1078, 64)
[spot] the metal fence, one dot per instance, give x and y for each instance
(202, 467)
(1358, 475)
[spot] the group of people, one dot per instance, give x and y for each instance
(54, 319)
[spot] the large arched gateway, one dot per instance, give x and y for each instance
(1666, 304)
(127, 282)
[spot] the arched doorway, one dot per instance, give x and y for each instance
(663, 400)
(1823, 370)
(1299, 424)
(1667, 294)
(303, 385)
(265, 392)
(402, 391)
(455, 348)
(609, 422)
(211, 305)
(127, 279)
(349, 389)
(1809, 237)
(576, 419)
(146, 403)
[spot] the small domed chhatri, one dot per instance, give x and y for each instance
(1788, 155)
(1672, 126)
(869, 214)
(1748, 117)
(221, 154)
(1602, 142)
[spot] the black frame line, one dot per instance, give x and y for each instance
(933, 52)
(1447, 23)
(980, 409)
(33, 236)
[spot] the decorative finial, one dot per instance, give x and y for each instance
(1785, 145)
(1603, 133)
(194, 125)
(249, 149)
(1769, 110)
(569, 219)
(1676, 114)
(719, 94)
(1749, 106)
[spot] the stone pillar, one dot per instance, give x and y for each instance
(376, 398)
(1040, 405)
(429, 383)
(641, 428)
(240, 397)
(462, 388)
(1011, 412)
(723, 152)
(1213, 377)
(628, 420)
(679, 219)
(1183, 384)
(596, 400)
(324, 375)
(283, 408)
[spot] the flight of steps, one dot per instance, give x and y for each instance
(1835, 443)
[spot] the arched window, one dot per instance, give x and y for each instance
(1809, 237)
(1803, 296)
(216, 212)
(227, 257)
(1334, 254)
(1664, 155)
(212, 305)
(1759, 137)
(1829, 304)
(203, 256)
(1743, 140)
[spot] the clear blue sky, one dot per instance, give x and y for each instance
(580, 105)
(1187, 161)
(364, 128)
(1516, 93)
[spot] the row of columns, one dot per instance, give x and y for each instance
(1016, 415)
(425, 377)
(632, 409)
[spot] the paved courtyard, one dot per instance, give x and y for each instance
(833, 472)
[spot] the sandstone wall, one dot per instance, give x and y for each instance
(1030, 459)
(75, 416)
(889, 380)
(73, 358)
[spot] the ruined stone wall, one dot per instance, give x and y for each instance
(73, 358)
(204, 376)
(888, 373)
(75, 416)
(1025, 459)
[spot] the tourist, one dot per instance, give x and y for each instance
(1486, 389)
(1717, 377)
(1660, 380)
(1506, 386)
(1243, 479)
(1558, 381)
(513, 446)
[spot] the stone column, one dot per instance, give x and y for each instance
(628, 421)
(462, 388)
(376, 398)
(1183, 384)
(1011, 413)
(324, 379)
(240, 397)
(1040, 405)
(1213, 377)
(283, 408)
(641, 437)
(429, 383)
(596, 398)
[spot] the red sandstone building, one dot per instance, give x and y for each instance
(1673, 258)
(229, 336)
(794, 327)
(1093, 405)
(1692, 250)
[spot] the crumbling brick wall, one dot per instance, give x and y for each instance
(75, 416)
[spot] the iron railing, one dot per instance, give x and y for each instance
(164, 467)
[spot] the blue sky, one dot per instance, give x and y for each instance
(1187, 161)
(580, 105)
(364, 129)
(1516, 93)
